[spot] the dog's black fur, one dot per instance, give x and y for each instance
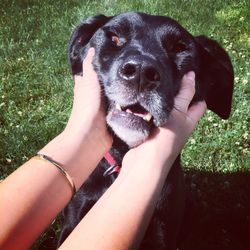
(140, 60)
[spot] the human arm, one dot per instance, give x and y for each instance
(120, 218)
(35, 193)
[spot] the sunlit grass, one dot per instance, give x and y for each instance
(36, 86)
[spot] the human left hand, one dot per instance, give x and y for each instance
(88, 112)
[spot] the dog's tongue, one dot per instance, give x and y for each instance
(135, 113)
(136, 110)
(139, 111)
(128, 111)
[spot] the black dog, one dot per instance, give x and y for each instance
(140, 60)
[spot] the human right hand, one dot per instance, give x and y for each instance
(166, 142)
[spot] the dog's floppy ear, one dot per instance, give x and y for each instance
(80, 38)
(215, 76)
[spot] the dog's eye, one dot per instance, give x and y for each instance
(179, 47)
(116, 40)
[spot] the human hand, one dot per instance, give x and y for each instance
(88, 107)
(85, 140)
(166, 142)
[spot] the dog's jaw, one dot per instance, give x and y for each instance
(131, 127)
(132, 115)
(132, 137)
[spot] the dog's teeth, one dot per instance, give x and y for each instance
(117, 106)
(147, 117)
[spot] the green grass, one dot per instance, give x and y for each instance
(36, 85)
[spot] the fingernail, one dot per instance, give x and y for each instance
(91, 51)
(191, 75)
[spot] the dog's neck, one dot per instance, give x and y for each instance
(113, 158)
(119, 149)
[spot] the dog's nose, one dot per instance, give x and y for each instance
(144, 74)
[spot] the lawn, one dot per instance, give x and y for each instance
(36, 96)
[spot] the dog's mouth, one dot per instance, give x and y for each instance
(135, 110)
(132, 123)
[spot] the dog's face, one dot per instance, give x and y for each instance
(140, 60)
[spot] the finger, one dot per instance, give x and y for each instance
(88, 59)
(78, 79)
(196, 111)
(87, 68)
(187, 91)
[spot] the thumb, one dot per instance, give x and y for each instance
(186, 93)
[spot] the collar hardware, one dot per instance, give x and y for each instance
(114, 167)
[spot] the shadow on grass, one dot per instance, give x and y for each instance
(217, 215)
(218, 211)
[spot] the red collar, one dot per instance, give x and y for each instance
(114, 167)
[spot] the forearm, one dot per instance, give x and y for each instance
(36, 192)
(119, 219)
(33, 195)
(78, 151)
(28, 204)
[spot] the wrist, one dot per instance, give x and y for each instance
(156, 155)
(79, 154)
